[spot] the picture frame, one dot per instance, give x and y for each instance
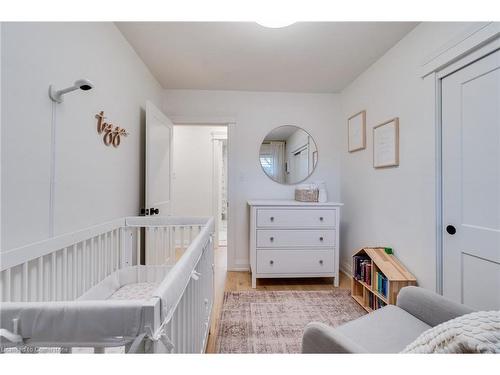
(386, 144)
(356, 132)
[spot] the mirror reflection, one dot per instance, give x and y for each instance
(288, 155)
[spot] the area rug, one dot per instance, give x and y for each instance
(273, 321)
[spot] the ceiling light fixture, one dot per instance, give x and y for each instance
(275, 23)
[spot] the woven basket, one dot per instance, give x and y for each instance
(306, 195)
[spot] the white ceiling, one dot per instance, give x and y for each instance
(303, 57)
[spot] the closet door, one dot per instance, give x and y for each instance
(158, 189)
(471, 184)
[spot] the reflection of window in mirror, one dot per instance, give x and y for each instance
(267, 163)
(287, 154)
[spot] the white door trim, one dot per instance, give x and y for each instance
(216, 138)
(230, 122)
(473, 46)
(474, 37)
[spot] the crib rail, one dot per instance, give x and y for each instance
(165, 238)
(65, 267)
(61, 268)
(190, 322)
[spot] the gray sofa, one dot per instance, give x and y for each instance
(386, 330)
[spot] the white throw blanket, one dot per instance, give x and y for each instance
(478, 332)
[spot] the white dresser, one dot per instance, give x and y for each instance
(294, 239)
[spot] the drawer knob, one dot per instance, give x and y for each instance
(321, 238)
(321, 262)
(271, 218)
(271, 262)
(271, 239)
(321, 218)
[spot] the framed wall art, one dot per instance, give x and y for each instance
(356, 129)
(386, 144)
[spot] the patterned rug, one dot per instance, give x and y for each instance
(273, 322)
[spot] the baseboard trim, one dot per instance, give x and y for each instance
(238, 269)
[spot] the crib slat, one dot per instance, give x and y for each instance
(117, 248)
(64, 283)
(84, 267)
(104, 251)
(112, 250)
(101, 259)
(184, 324)
(8, 296)
(166, 244)
(172, 245)
(182, 239)
(24, 282)
(156, 247)
(93, 264)
(53, 295)
(74, 258)
(163, 247)
(193, 317)
(40, 279)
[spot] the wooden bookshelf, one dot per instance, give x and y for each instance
(390, 268)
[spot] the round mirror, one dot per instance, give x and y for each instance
(288, 155)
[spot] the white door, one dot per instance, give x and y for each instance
(471, 184)
(158, 189)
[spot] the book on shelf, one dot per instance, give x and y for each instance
(381, 283)
(362, 269)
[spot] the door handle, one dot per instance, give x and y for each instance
(451, 229)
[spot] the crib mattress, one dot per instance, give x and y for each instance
(131, 283)
(140, 291)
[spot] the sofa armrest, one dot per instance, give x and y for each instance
(320, 338)
(429, 307)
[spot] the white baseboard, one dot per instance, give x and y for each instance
(238, 269)
(239, 266)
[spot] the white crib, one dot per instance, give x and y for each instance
(87, 289)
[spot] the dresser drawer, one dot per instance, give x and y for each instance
(295, 238)
(300, 218)
(295, 261)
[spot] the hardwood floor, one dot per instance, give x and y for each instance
(239, 281)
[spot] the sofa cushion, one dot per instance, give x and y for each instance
(386, 330)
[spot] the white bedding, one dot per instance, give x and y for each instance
(141, 291)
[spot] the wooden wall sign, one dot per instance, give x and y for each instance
(112, 134)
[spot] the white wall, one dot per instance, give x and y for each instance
(395, 206)
(193, 163)
(257, 113)
(94, 183)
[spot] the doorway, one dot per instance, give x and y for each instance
(470, 119)
(219, 185)
(200, 175)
